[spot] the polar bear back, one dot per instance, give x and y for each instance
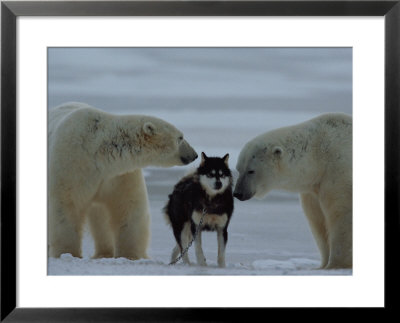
(323, 138)
(60, 113)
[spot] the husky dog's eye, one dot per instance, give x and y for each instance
(209, 175)
(250, 172)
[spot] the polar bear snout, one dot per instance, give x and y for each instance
(186, 161)
(242, 192)
(242, 196)
(238, 195)
(187, 153)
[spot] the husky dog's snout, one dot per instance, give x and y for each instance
(218, 185)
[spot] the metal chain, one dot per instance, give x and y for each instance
(191, 242)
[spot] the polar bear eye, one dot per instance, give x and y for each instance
(180, 139)
(250, 172)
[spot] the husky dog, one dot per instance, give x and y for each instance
(207, 191)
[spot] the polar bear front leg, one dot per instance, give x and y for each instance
(99, 224)
(337, 207)
(316, 220)
(132, 237)
(340, 240)
(126, 200)
(65, 229)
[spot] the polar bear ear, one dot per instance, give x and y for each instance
(277, 151)
(149, 128)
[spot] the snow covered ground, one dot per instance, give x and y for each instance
(220, 99)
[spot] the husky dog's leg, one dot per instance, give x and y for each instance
(201, 260)
(222, 235)
(186, 236)
(175, 253)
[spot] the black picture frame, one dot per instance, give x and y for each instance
(10, 10)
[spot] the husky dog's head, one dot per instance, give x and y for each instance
(214, 174)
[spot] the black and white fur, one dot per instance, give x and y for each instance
(209, 188)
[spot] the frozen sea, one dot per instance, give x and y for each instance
(220, 98)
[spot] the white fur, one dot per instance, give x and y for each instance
(208, 184)
(95, 161)
(313, 158)
(212, 220)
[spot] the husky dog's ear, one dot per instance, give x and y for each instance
(226, 159)
(149, 128)
(203, 158)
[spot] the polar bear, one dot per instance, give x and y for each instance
(314, 159)
(94, 168)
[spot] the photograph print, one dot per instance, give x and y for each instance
(200, 161)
